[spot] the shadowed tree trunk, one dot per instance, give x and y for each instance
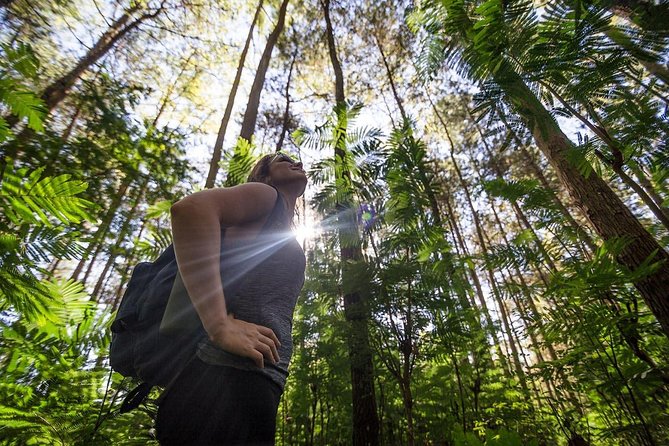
(286, 114)
(218, 145)
(515, 357)
(365, 417)
(251, 113)
(605, 211)
(95, 245)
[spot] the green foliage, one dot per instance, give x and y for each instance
(354, 150)
(30, 198)
(18, 66)
(592, 353)
(35, 209)
(238, 165)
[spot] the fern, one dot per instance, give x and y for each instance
(30, 198)
(239, 163)
(17, 65)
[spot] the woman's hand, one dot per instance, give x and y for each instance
(246, 339)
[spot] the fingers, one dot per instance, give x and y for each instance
(268, 348)
(270, 334)
(257, 342)
(258, 359)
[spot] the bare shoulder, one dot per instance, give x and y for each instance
(232, 205)
(261, 193)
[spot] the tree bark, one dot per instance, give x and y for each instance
(340, 97)
(251, 114)
(218, 145)
(506, 322)
(95, 244)
(286, 113)
(608, 215)
(122, 234)
(389, 73)
(365, 417)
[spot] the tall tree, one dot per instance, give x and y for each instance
(251, 113)
(218, 145)
(488, 58)
(365, 417)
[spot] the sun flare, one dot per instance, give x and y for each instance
(305, 232)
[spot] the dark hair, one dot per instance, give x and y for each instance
(260, 171)
(260, 174)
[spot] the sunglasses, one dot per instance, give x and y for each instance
(282, 157)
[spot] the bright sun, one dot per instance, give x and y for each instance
(305, 232)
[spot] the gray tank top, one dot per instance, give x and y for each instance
(262, 279)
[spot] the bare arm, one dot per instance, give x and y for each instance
(196, 228)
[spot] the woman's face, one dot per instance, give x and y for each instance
(283, 169)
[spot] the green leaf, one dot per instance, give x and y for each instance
(159, 209)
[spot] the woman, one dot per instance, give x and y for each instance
(243, 270)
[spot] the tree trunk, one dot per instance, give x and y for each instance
(340, 96)
(218, 145)
(365, 417)
(122, 234)
(407, 350)
(251, 113)
(286, 113)
(506, 322)
(94, 246)
(389, 73)
(490, 326)
(608, 215)
(54, 93)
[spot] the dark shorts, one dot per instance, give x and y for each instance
(215, 405)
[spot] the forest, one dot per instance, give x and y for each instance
(486, 223)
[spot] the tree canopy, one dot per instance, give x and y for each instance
(486, 224)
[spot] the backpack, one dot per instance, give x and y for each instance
(156, 330)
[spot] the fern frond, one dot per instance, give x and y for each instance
(239, 163)
(23, 103)
(29, 198)
(45, 243)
